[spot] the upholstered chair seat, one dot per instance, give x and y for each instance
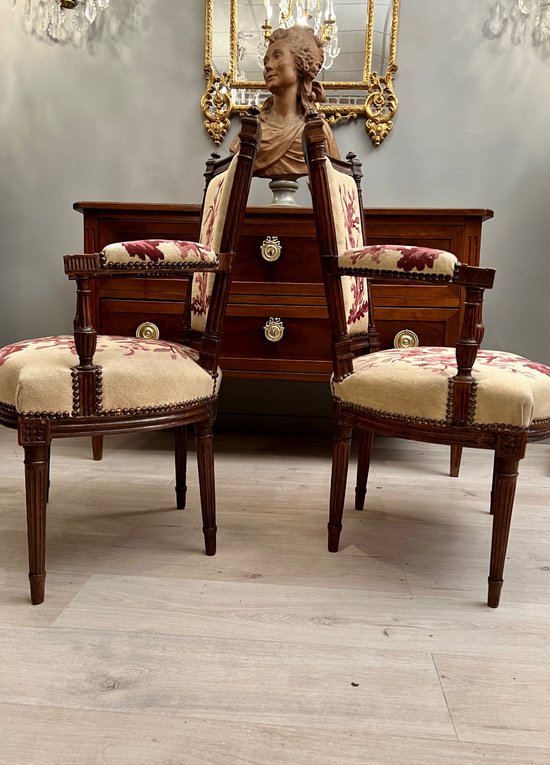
(461, 396)
(417, 385)
(134, 375)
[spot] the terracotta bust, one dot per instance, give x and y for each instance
(292, 60)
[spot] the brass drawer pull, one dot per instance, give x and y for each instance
(406, 338)
(271, 249)
(148, 331)
(274, 329)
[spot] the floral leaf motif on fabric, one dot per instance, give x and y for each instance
(148, 249)
(411, 257)
(360, 306)
(211, 213)
(442, 361)
(60, 341)
(133, 345)
(130, 346)
(201, 298)
(352, 223)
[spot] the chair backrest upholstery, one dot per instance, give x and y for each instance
(344, 230)
(223, 207)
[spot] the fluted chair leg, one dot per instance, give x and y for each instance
(340, 461)
(180, 435)
(205, 461)
(504, 488)
(366, 438)
(37, 459)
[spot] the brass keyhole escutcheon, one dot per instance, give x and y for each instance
(274, 329)
(271, 249)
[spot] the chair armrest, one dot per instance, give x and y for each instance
(387, 262)
(96, 264)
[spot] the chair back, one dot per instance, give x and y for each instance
(224, 202)
(339, 220)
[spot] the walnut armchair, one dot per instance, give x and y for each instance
(459, 396)
(89, 385)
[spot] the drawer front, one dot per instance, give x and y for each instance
(277, 254)
(126, 317)
(289, 341)
(432, 326)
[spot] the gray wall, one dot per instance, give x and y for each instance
(123, 123)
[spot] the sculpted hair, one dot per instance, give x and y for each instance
(308, 53)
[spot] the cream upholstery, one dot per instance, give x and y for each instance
(400, 258)
(134, 374)
(415, 384)
(347, 213)
(151, 252)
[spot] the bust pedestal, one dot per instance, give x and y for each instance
(284, 191)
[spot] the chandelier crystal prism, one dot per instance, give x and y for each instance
(60, 20)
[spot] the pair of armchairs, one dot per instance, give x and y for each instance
(87, 384)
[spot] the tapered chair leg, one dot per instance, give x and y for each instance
(504, 489)
(97, 447)
(36, 489)
(366, 438)
(180, 435)
(456, 457)
(340, 461)
(205, 461)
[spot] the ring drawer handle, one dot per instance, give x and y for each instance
(406, 338)
(148, 331)
(274, 329)
(271, 249)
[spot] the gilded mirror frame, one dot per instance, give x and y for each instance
(380, 104)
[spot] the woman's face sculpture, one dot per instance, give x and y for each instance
(279, 67)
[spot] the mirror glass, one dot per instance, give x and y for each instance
(358, 80)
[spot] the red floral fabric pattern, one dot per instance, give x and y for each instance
(359, 308)
(211, 214)
(349, 210)
(159, 250)
(200, 300)
(442, 361)
(400, 257)
(129, 345)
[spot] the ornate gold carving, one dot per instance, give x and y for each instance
(274, 330)
(216, 105)
(406, 338)
(148, 331)
(380, 105)
(271, 249)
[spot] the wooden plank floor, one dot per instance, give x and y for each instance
(273, 652)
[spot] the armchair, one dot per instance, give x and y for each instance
(459, 396)
(89, 385)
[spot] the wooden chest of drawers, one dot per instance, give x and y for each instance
(277, 291)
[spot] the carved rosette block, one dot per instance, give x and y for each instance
(217, 105)
(33, 430)
(381, 105)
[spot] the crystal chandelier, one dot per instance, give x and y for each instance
(48, 18)
(527, 20)
(318, 14)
